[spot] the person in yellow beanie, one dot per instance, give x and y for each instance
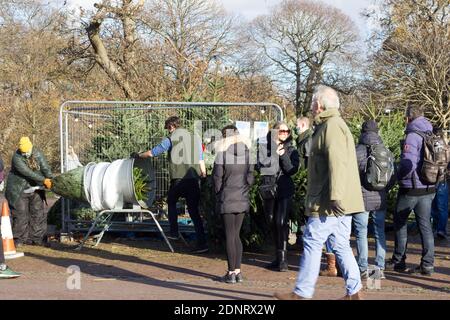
(30, 175)
(25, 145)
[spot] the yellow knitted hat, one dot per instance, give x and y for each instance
(25, 145)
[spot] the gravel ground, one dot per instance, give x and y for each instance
(124, 269)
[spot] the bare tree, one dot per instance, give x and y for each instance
(413, 61)
(30, 77)
(300, 38)
(126, 13)
(195, 35)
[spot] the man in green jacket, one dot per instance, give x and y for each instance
(333, 195)
(25, 193)
(186, 166)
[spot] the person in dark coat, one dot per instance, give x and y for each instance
(233, 177)
(304, 131)
(278, 162)
(25, 193)
(5, 271)
(375, 204)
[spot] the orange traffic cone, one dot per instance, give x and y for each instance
(9, 248)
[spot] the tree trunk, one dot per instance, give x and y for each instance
(101, 54)
(298, 92)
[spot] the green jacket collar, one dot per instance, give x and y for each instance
(305, 134)
(325, 115)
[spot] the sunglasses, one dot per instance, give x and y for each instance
(284, 131)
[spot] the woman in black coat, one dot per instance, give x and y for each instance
(233, 177)
(278, 162)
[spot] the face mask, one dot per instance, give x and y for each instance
(27, 154)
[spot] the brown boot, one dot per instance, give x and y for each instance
(356, 296)
(288, 296)
(331, 270)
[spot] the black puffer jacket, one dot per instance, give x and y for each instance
(233, 176)
(288, 166)
(373, 200)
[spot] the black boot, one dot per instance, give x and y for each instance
(283, 262)
(274, 264)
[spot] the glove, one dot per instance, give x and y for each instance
(134, 155)
(2, 186)
(336, 208)
(48, 183)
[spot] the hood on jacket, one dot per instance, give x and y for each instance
(325, 115)
(370, 137)
(419, 124)
(369, 125)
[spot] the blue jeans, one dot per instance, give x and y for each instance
(422, 209)
(439, 208)
(360, 223)
(316, 233)
(329, 244)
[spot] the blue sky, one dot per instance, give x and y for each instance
(251, 8)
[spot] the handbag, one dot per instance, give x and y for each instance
(268, 189)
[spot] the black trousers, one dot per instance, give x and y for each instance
(29, 218)
(277, 216)
(190, 190)
(233, 224)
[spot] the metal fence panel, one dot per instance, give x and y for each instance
(108, 130)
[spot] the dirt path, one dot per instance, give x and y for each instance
(146, 270)
(124, 269)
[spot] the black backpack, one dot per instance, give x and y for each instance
(379, 167)
(435, 158)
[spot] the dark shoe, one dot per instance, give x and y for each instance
(20, 243)
(425, 271)
(355, 296)
(331, 270)
(395, 266)
(43, 243)
(288, 296)
(7, 273)
(200, 249)
(229, 278)
(239, 277)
